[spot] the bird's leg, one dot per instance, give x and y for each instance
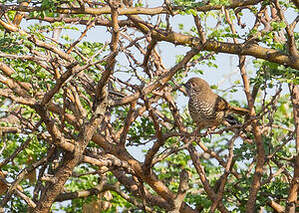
(210, 130)
(196, 132)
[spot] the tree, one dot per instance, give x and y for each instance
(71, 108)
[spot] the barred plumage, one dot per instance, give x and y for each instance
(206, 108)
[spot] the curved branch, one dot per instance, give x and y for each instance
(130, 10)
(151, 179)
(251, 49)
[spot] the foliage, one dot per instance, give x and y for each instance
(58, 63)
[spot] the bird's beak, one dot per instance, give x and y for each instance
(183, 88)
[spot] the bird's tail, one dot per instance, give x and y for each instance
(244, 133)
(232, 120)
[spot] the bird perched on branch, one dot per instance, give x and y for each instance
(208, 109)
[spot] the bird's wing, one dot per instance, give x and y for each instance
(221, 104)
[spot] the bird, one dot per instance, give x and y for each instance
(207, 109)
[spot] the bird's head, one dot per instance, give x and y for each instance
(196, 85)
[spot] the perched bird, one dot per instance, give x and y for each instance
(206, 108)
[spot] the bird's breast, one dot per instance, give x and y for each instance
(203, 111)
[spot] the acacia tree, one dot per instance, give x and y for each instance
(71, 108)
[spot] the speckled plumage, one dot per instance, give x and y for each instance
(206, 108)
